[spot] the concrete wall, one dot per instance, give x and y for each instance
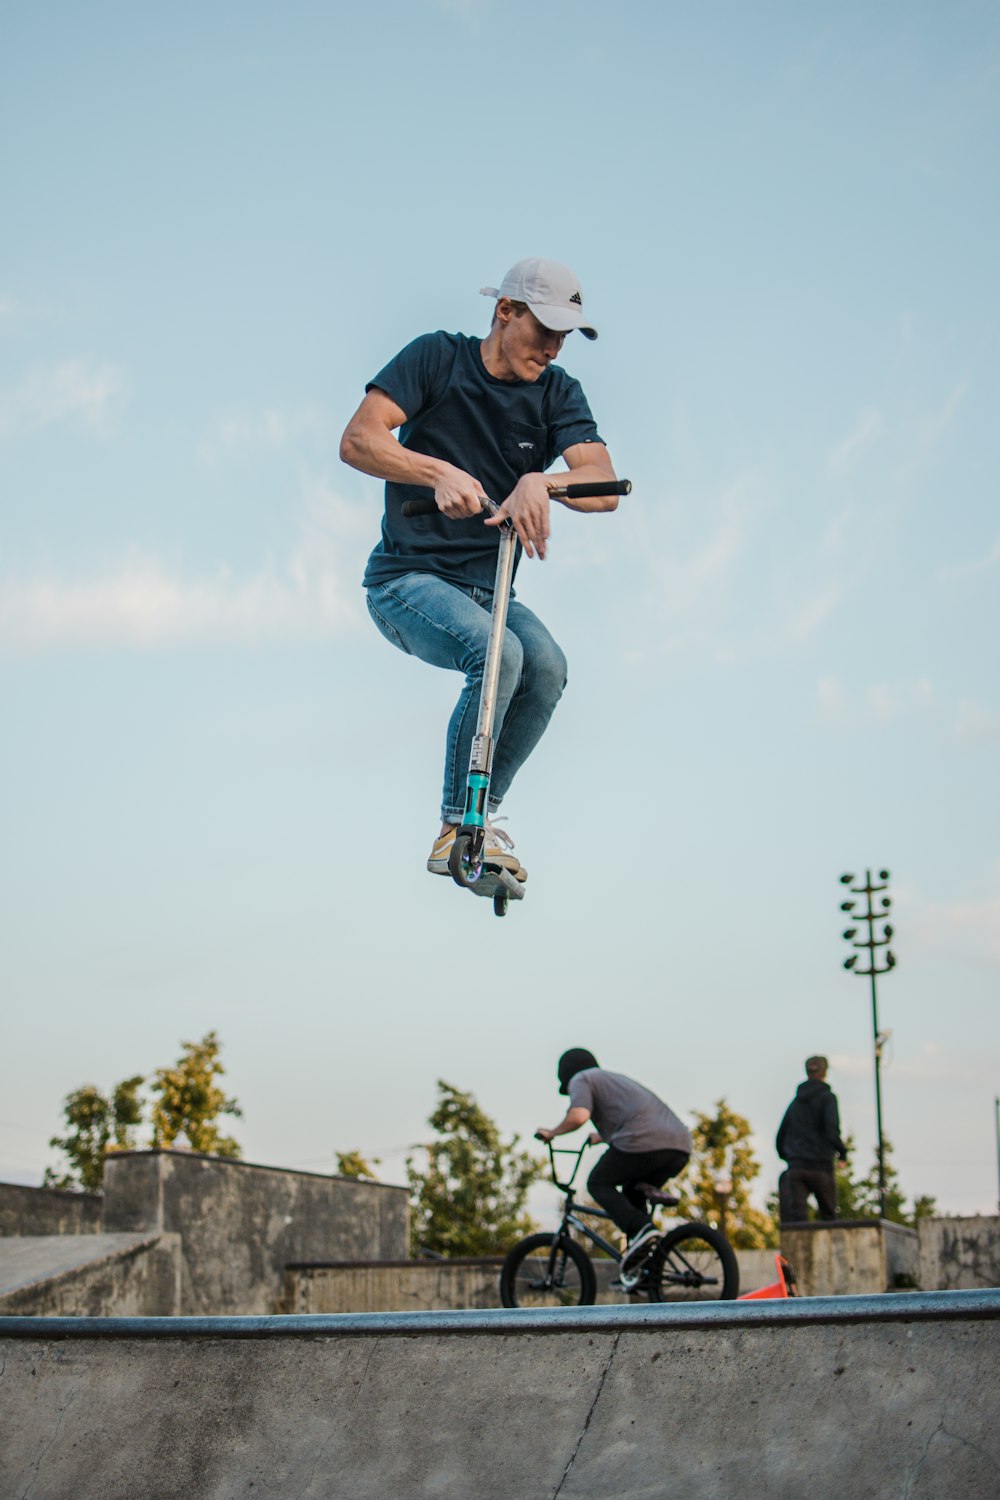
(90, 1276)
(448, 1285)
(874, 1398)
(851, 1258)
(957, 1253)
(31, 1210)
(394, 1286)
(242, 1224)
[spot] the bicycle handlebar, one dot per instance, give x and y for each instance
(582, 491)
(555, 1151)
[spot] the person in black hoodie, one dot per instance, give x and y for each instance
(808, 1140)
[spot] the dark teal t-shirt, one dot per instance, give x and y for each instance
(496, 430)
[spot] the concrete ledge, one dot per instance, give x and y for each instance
(391, 1286)
(960, 1252)
(42, 1211)
(241, 1223)
(663, 1403)
(844, 1257)
(652, 1403)
(94, 1275)
(909, 1307)
(447, 1284)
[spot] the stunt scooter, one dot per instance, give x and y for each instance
(466, 864)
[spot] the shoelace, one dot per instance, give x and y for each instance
(499, 835)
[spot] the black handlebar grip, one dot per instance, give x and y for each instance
(419, 507)
(605, 487)
(427, 507)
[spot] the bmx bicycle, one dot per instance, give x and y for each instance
(692, 1263)
(466, 864)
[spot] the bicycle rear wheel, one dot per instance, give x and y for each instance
(693, 1263)
(547, 1270)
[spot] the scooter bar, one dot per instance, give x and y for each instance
(581, 491)
(428, 506)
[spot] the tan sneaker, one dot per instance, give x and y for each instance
(498, 842)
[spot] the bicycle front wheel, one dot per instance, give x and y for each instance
(547, 1270)
(693, 1263)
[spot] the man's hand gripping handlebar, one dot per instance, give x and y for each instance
(428, 507)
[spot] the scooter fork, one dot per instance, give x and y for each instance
(466, 859)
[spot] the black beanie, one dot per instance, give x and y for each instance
(572, 1062)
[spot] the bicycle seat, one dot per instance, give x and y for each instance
(657, 1195)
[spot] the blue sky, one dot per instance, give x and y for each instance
(221, 784)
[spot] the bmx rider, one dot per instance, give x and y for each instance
(646, 1143)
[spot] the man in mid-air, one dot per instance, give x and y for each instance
(478, 417)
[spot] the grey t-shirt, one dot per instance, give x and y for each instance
(626, 1115)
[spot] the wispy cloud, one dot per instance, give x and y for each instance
(142, 603)
(972, 723)
(976, 724)
(469, 9)
(931, 1062)
(690, 577)
(878, 703)
(807, 619)
(861, 436)
(690, 587)
(957, 929)
(270, 430)
(982, 564)
(76, 389)
(888, 701)
(13, 312)
(938, 422)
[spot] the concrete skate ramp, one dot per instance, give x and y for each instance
(89, 1274)
(871, 1397)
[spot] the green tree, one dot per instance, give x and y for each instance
(96, 1123)
(715, 1184)
(469, 1197)
(187, 1098)
(858, 1197)
(352, 1164)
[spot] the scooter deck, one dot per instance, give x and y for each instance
(499, 885)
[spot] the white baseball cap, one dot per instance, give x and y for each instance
(550, 289)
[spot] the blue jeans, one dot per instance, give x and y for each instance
(449, 626)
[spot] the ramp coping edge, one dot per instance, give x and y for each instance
(896, 1307)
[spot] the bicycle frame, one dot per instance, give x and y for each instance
(691, 1258)
(572, 1209)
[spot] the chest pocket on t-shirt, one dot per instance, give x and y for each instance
(524, 447)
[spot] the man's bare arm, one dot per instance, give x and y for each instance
(369, 444)
(571, 1120)
(586, 461)
(527, 505)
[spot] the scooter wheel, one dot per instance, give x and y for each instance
(464, 867)
(501, 901)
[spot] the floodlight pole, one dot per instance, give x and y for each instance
(871, 942)
(878, 1096)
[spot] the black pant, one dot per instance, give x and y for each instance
(612, 1183)
(799, 1179)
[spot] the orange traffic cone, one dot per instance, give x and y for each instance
(783, 1287)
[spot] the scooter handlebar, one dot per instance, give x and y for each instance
(605, 487)
(427, 507)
